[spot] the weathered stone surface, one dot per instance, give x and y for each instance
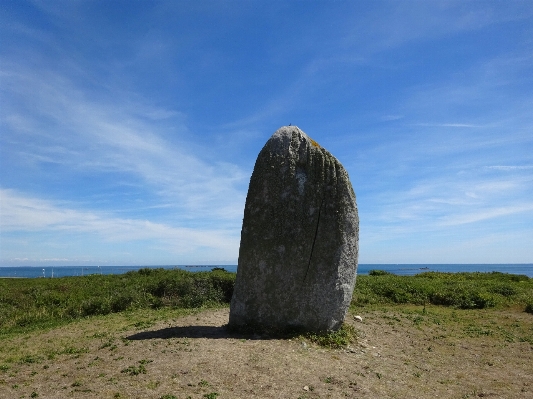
(299, 239)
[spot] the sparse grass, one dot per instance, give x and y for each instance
(492, 341)
(136, 370)
(449, 323)
(339, 339)
(133, 370)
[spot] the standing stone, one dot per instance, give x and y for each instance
(299, 239)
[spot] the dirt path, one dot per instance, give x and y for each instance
(401, 353)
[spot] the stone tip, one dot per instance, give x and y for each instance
(290, 129)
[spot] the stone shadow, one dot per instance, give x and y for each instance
(213, 332)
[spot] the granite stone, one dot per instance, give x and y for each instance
(299, 240)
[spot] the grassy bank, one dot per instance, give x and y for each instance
(26, 304)
(31, 303)
(459, 290)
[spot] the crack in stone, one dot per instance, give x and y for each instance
(314, 239)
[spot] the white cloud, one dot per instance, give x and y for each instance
(401, 22)
(468, 125)
(491, 213)
(20, 213)
(433, 205)
(509, 168)
(392, 117)
(112, 137)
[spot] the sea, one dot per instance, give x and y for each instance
(398, 269)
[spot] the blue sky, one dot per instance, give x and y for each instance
(129, 129)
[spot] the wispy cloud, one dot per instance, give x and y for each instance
(448, 201)
(25, 214)
(467, 125)
(399, 22)
(392, 117)
(112, 137)
(510, 168)
(478, 216)
(139, 132)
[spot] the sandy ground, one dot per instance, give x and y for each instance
(400, 353)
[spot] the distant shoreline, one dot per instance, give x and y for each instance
(401, 269)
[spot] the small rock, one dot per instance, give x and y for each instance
(358, 318)
(306, 388)
(349, 349)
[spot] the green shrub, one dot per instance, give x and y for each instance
(378, 273)
(475, 300)
(460, 290)
(30, 303)
(94, 306)
(504, 290)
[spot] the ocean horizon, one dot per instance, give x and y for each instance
(402, 269)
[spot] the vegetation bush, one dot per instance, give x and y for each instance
(378, 273)
(27, 303)
(460, 290)
(31, 303)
